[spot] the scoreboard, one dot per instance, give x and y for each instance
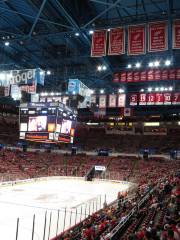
(47, 122)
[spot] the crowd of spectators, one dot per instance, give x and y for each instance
(157, 219)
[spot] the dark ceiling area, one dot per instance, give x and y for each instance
(54, 35)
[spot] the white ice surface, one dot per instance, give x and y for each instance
(78, 197)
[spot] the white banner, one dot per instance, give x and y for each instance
(102, 101)
(121, 100)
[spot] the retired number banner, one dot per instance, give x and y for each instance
(176, 34)
(98, 48)
(116, 41)
(136, 40)
(158, 37)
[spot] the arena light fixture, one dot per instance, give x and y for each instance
(102, 91)
(91, 32)
(6, 43)
(150, 89)
(138, 65)
(142, 90)
(41, 73)
(156, 89)
(156, 63)
(129, 66)
(109, 29)
(48, 72)
(151, 64)
(162, 89)
(165, 89)
(167, 62)
(92, 91)
(121, 90)
(99, 68)
(170, 88)
(77, 34)
(104, 68)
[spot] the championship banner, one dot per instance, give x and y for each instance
(133, 99)
(123, 77)
(98, 48)
(176, 98)
(172, 74)
(165, 74)
(159, 98)
(129, 76)
(178, 74)
(116, 78)
(136, 40)
(143, 76)
(142, 99)
(112, 100)
(116, 41)
(136, 76)
(150, 75)
(121, 100)
(176, 34)
(102, 101)
(158, 37)
(157, 75)
(167, 98)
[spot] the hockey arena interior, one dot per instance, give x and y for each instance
(90, 120)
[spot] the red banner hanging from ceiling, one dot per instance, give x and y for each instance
(116, 41)
(136, 40)
(98, 47)
(176, 34)
(158, 37)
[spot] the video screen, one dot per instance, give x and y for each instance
(66, 126)
(37, 124)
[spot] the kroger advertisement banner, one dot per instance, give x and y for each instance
(98, 48)
(176, 34)
(158, 37)
(22, 77)
(136, 40)
(116, 41)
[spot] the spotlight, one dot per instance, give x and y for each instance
(52, 94)
(165, 89)
(99, 68)
(170, 88)
(121, 90)
(156, 89)
(150, 89)
(142, 90)
(138, 65)
(109, 29)
(6, 44)
(129, 66)
(92, 91)
(167, 62)
(77, 34)
(156, 63)
(104, 68)
(151, 64)
(41, 72)
(91, 32)
(162, 89)
(102, 91)
(48, 72)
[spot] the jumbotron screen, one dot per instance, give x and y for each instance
(47, 122)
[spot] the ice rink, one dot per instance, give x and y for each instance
(56, 203)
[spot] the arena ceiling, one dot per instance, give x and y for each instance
(42, 33)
